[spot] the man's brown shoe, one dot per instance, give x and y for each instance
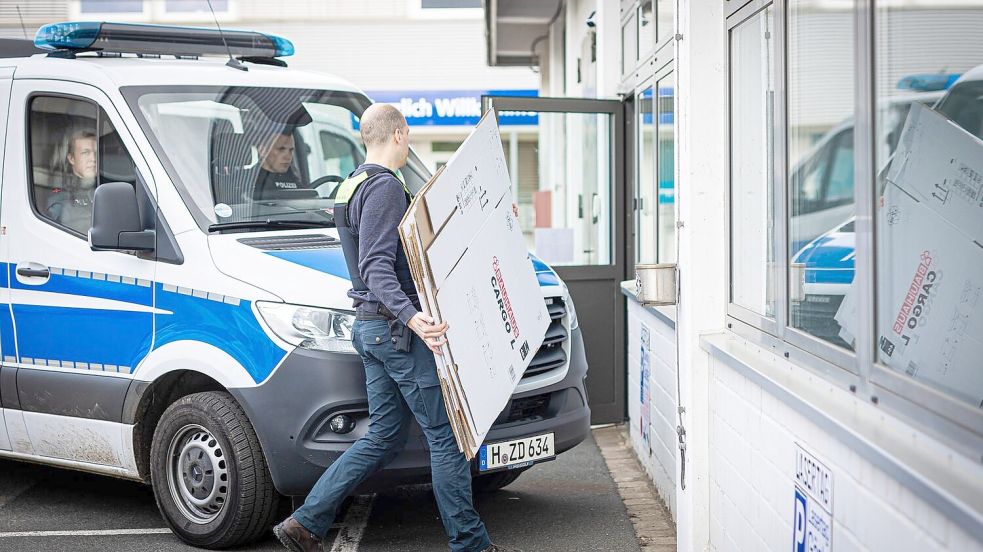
(496, 548)
(296, 537)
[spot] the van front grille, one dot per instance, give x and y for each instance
(551, 355)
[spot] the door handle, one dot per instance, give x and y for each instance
(34, 272)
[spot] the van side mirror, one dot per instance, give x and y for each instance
(116, 224)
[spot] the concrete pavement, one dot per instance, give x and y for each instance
(571, 503)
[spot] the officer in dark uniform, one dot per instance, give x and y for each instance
(276, 155)
(71, 203)
(401, 375)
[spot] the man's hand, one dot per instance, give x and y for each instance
(431, 334)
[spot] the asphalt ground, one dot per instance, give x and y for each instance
(570, 503)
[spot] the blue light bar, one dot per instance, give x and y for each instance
(135, 38)
(930, 82)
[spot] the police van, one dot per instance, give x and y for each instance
(175, 292)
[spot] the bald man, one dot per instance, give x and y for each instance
(400, 372)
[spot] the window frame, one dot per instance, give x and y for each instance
(649, 55)
(922, 406)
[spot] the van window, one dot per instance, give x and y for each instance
(246, 154)
(74, 149)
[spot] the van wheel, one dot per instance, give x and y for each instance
(494, 481)
(208, 472)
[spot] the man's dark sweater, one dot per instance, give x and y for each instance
(374, 213)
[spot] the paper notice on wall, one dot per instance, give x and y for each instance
(554, 245)
(645, 394)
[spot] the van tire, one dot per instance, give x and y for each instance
(205, 440)
(494, 481)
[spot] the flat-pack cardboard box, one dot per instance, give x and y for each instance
(930, 286)
(472, 270)
(941, 165)
(930, 258)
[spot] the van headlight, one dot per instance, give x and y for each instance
(571, 312)
(310, 327)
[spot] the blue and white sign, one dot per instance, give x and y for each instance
(812, 524)
(452, 107)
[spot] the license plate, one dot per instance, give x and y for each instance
(516, 453)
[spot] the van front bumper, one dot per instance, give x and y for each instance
(290, 413)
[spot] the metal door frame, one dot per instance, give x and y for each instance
(617, 270)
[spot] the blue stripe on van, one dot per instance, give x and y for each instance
(97, 336)
(123, 338)
(330, 260)
(231, 328)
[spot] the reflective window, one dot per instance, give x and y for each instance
(665, 13)
(645, 201)
(666, 175)
(570, 186)
(820, 160)
(195, 5)
(74, 149)
(752, 74)
(256, 154)
(929, 190)
(646, 27)
(629, 44)
(110, 6)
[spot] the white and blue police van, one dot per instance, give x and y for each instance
(824, 180)
(173, 289)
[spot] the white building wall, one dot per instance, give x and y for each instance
(657, 450)
(753, 437)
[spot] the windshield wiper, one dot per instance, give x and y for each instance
(270, 224)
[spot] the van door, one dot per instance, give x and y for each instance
(83, 318)
(7, 352)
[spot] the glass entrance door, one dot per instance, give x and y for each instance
(571, 199)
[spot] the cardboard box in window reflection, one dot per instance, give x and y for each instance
(930, 258)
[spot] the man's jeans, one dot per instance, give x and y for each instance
(399, 384)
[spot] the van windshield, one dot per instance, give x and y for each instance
(249, 154)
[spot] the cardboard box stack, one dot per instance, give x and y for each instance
(930, 257)
(471, 268)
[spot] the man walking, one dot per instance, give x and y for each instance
(400, 372)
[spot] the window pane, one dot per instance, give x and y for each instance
(820, 151)
(646, 27)
(645, 245)
(929, 216)
(666, 10)
(629, 45)
(426, 4)
(111, 6)
(74, 149)
(570, 187)
(667, 169)
(752, 199)
(195, 5)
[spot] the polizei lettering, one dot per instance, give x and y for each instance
(504, 305)
(916, 300)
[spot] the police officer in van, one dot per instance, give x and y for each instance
(276, 155)
(71, 203)
(400, 372)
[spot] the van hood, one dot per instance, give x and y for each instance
(304, 267)
(307, 267)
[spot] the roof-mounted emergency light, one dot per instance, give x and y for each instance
(132, 38)
(930, 82)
